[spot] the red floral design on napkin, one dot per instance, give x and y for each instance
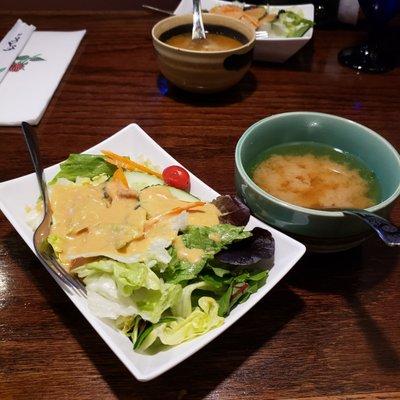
(21, 61)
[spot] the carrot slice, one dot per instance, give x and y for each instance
(176, 210)
(250, 20)
(119, 176)
(256, 12)
(126, 163)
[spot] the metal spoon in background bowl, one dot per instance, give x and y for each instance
(198, 31)
(388, 232)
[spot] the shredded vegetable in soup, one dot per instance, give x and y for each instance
(316, 176)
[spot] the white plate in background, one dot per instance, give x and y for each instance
(269, 49)
(16, 194)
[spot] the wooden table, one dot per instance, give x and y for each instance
(330, 330)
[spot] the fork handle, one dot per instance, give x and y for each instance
(32, 143)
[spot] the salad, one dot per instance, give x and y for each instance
(159, 263)
(287, 23)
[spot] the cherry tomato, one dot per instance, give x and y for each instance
(177, 177)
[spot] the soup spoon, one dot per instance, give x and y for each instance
(198, 31)
(388, 232)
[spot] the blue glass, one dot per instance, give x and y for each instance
(379, 11)
(163, 85)
(374, 55)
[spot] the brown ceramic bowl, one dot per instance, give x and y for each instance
(203, 71)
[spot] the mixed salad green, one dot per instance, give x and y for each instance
(160, 298)
(280, 23)
(288, 23)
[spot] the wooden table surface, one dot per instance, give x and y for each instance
(329, 330)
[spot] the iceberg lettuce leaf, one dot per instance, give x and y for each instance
(151, 304)
(84, 165)
(128, 277)
(201, 320)
(116, 289)
(183, 307)
(104, 299)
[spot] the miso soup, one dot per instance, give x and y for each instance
(317, 176)
(219, 38)
(213, 42)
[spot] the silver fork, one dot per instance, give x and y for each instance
(262, 35)
(43, 251)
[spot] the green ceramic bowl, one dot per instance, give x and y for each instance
(322, 231)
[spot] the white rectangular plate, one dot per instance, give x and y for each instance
(134, 142)
(269, 49)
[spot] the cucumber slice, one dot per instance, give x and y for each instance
(182, 195)
(140, 180)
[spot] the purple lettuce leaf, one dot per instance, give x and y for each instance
(233, 211)
(255, 252)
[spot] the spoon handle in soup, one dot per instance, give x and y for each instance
(198, 27)
(388, 232)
